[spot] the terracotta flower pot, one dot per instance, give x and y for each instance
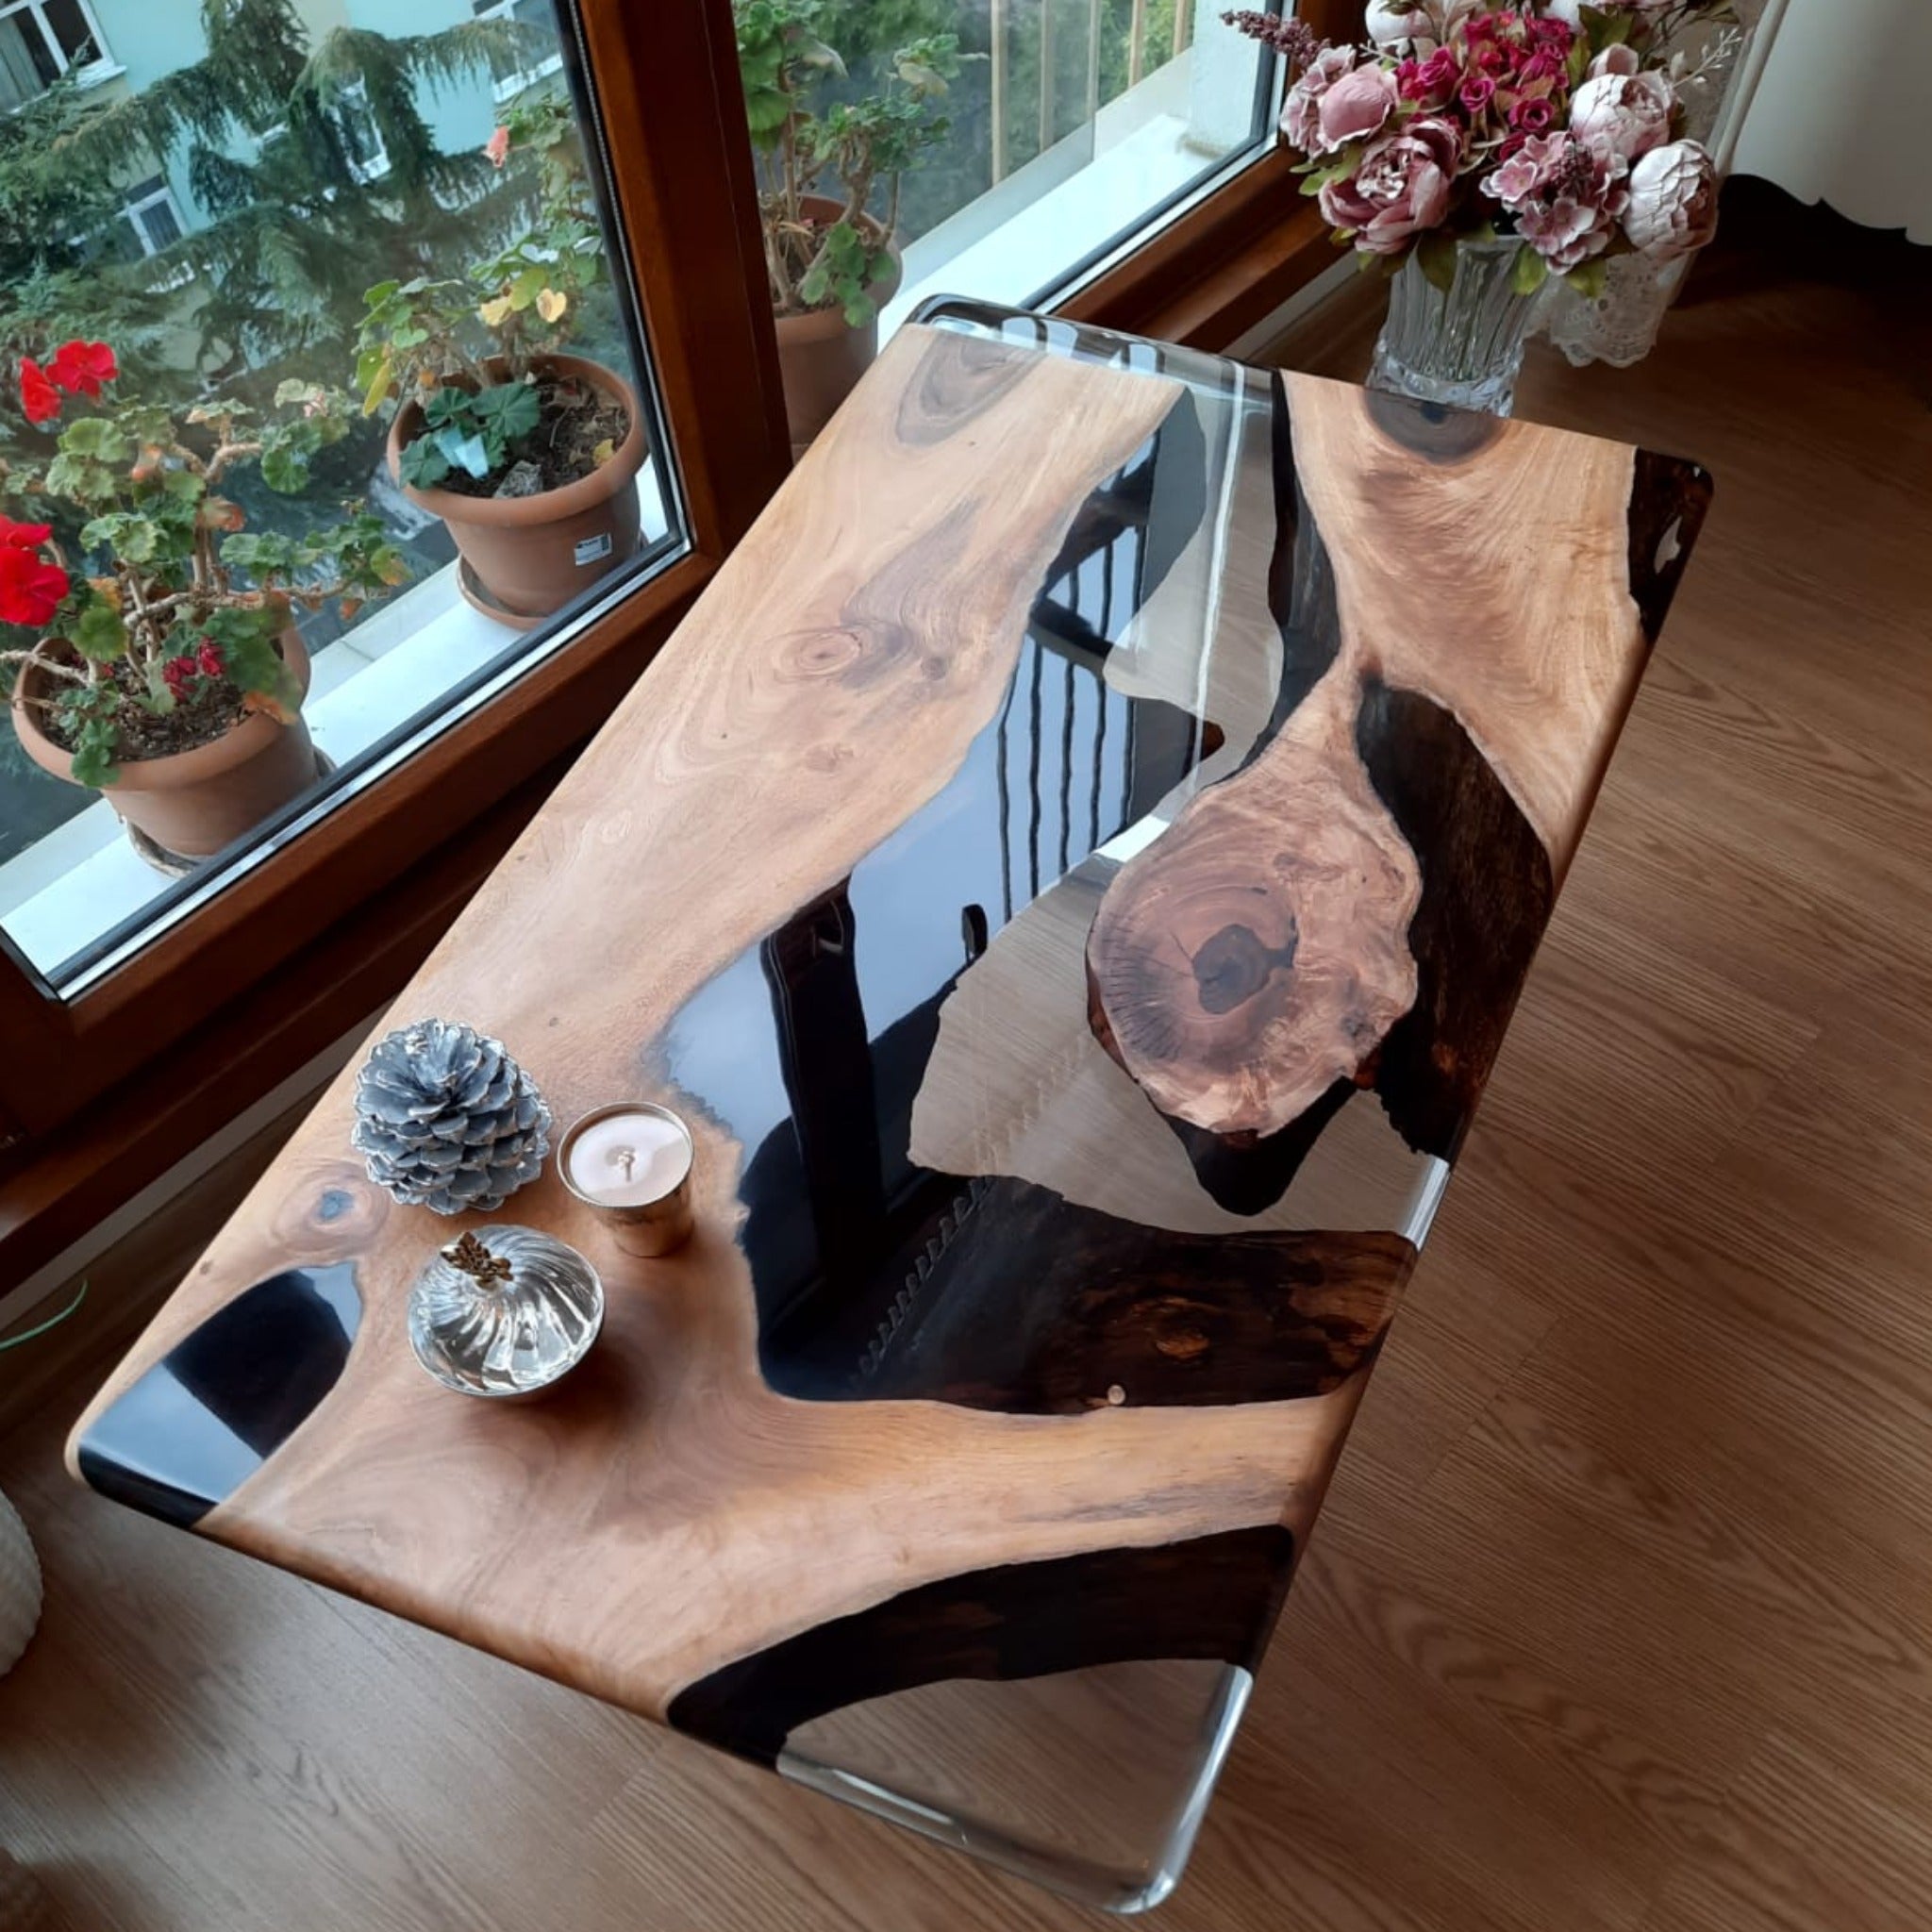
(194, 803)
(534, 553)
(820, 356)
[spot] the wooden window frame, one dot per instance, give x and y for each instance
(99, 1094)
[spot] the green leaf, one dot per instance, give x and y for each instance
(1588, 279)
(285, 470)
(94, 436)
(96, 742)
(1530, 271)
(98, 633)
(424, 465)
(1436, 252)
(509, 411)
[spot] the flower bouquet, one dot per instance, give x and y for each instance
(1497, 148)
(166, 669)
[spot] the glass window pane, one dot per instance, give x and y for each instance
(1048, 131)
(216, 650)
(73, 33)
(24, 63)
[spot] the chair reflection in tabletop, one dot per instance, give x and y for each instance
(1072, 870)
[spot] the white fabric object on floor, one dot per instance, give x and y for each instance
(20, 1586)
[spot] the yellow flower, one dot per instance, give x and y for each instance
(495, 314)
(551, 304)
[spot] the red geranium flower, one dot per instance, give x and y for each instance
(31, 589)
(80, 368)
(37, 396)
(175, 674)
(23, 536)
(207, 659)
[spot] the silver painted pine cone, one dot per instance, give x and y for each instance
(446, 1118)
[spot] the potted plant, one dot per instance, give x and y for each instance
(1475, 154)
(168, 673)
(528, 455)
(828, 252)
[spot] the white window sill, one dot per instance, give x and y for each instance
(511, 85)
(1144, 148)
(84, 878)
(80, 880)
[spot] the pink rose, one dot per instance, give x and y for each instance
(1357, 105)
(1400, 189)
(1621, 59)
(1531, 114)
(1631, 111)
(1301, 112)
(1476, 93)
(1673, 207)
(497, 147)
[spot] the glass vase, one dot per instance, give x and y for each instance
(1463, 346)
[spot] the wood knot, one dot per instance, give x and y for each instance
(819, 653)
(1234, 965)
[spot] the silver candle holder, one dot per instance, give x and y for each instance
(630, 1162)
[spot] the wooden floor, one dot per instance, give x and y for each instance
(1621, 1612)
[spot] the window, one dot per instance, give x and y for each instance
(152, 213)
(1070, 126)
(41, 40)
(537, 56)
(434, 711)
(362, 134)
(405, 616)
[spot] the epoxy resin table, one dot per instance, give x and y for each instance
(1074, 869)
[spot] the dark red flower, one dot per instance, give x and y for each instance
(37, 396)
(175, 674)
(23, 536)
(31, 589)
(81, 368)
(1476, 93)
(207, 659)
(1532, 115)
(1431, 82)
(1553, 32)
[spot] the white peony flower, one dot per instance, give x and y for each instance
(1672, 205)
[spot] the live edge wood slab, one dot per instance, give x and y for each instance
(1074, 871)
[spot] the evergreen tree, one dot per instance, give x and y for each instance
(279, 129)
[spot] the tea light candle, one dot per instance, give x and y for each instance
(632, 1162)
(629, 1158)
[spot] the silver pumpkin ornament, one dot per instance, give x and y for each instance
(446, 1118)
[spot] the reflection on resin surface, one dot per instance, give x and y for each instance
(203, 1419)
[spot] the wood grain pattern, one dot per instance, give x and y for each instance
(1615, 1619)
(1445, 717)
(747, 1502)
(730, 1496)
